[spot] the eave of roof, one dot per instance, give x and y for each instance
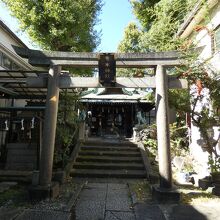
(189, 18)
(194, 18)
(12, 34)
(107, 101)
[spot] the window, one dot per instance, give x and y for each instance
(6, 62)
(15, 66)
(0, 58)
(217, 39)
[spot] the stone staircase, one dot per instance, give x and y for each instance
(109, 159)
(21, 156)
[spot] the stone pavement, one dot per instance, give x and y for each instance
(4, 186)
(115, 201)
(109, 200)
(104, 201)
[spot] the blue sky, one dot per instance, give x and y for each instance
(115, 16)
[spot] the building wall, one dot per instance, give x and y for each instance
(205, 37)
(9, 60)
(7, 40)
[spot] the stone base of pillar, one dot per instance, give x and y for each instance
(165, 195)
(37, 193)
(216, 189)
(59, 176)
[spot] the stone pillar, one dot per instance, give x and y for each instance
(82, 128)
(163, 135)
(49, 130)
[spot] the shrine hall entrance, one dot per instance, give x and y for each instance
(114, 111)
(116, 119)
(110, 120)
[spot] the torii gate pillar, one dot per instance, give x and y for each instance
(165, 191)
(163, 135)
(45, 188)
(49, 130)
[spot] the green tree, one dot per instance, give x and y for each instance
(159, 23)
(130, 43)
(63, 25)
(57, 24)
(143, 10)
(167, 17)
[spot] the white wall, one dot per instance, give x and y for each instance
(6, 42)
(204, 38)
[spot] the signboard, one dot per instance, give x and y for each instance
(107, 69)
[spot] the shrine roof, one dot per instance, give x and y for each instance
(116, 95)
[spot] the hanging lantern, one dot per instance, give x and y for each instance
(32, 123)
(22, 124)
(6, 125)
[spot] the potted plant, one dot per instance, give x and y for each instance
(214, 164)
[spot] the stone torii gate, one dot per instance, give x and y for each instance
(55, 81)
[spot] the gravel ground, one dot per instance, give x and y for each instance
(17, 196)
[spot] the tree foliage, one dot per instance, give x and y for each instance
(58, 25)
(143, 9)
(159, 23)
(67, 129)
(130, 43)
(63, 25)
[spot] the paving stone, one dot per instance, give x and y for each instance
(91, 203)
(113, 215)
(196, 212)
(44, 215)
(148, 212)
(117, 186)
(9, 213)
(6, 185)
(118, 200)
(96, 185)
(90, 210)
(4, 188)
(94, 194)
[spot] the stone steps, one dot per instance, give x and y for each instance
(15, 175)
(106, 159)
(110, 142)
(111, 166)
(21, 156)
(96, 173)
(109, 148)
(110, 153)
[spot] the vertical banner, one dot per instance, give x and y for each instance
(107, 69)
